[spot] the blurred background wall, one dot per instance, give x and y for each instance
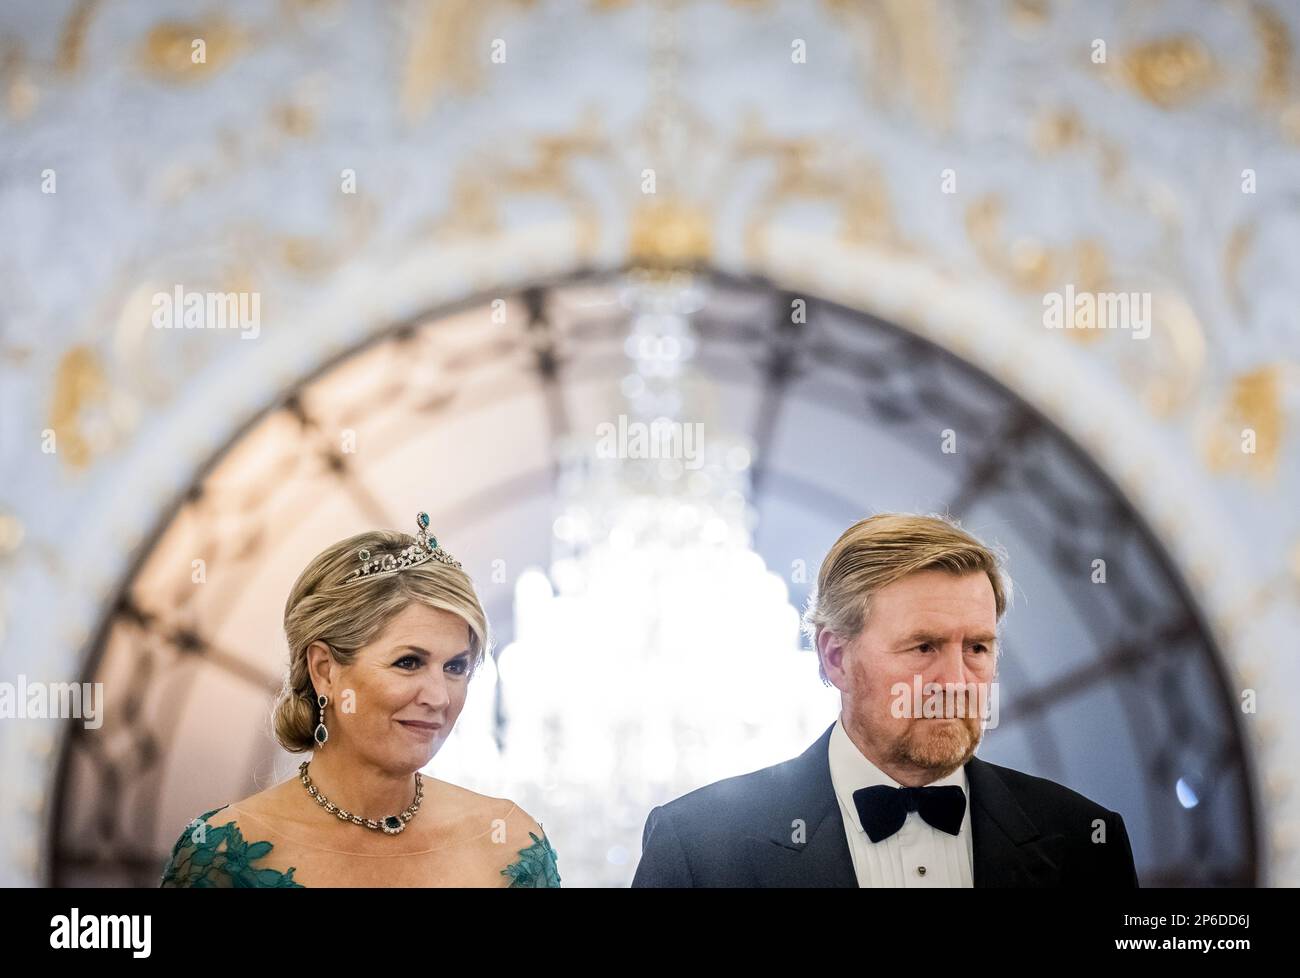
(828, 233)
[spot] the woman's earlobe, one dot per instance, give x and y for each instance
(319, 662)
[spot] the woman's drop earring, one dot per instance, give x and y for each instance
(321, 734)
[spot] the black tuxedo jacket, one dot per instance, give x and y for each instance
(742, 831)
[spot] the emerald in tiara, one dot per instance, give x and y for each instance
(425, 549)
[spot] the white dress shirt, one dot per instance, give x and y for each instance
(918, 854)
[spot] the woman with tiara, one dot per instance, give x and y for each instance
(385, 632)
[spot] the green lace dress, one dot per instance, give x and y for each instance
(211, 855)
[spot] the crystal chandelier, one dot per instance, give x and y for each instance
(659, 653)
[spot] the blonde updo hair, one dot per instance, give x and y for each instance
(348, 616)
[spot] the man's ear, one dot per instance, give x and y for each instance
(830, 649)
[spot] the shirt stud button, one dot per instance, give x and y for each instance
(920, 870)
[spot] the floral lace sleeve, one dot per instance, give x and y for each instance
(536, 866)
(208, 855)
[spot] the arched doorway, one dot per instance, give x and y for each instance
(1115, 689)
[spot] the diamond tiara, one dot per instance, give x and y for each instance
(424, 549)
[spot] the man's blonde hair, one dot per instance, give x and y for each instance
(879, 550)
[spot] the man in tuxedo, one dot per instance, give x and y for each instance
(892, 794)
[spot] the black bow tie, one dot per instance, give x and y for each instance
(883, 809)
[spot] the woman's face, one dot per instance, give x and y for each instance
(397, 701)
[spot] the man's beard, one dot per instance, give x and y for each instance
(940, 746)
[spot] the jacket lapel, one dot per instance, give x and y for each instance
(1008, 847)
(803, 843)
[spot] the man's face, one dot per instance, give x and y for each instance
(934, 625)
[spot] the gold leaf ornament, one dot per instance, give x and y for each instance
(169, 51)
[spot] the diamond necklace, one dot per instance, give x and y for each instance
(391, 825)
